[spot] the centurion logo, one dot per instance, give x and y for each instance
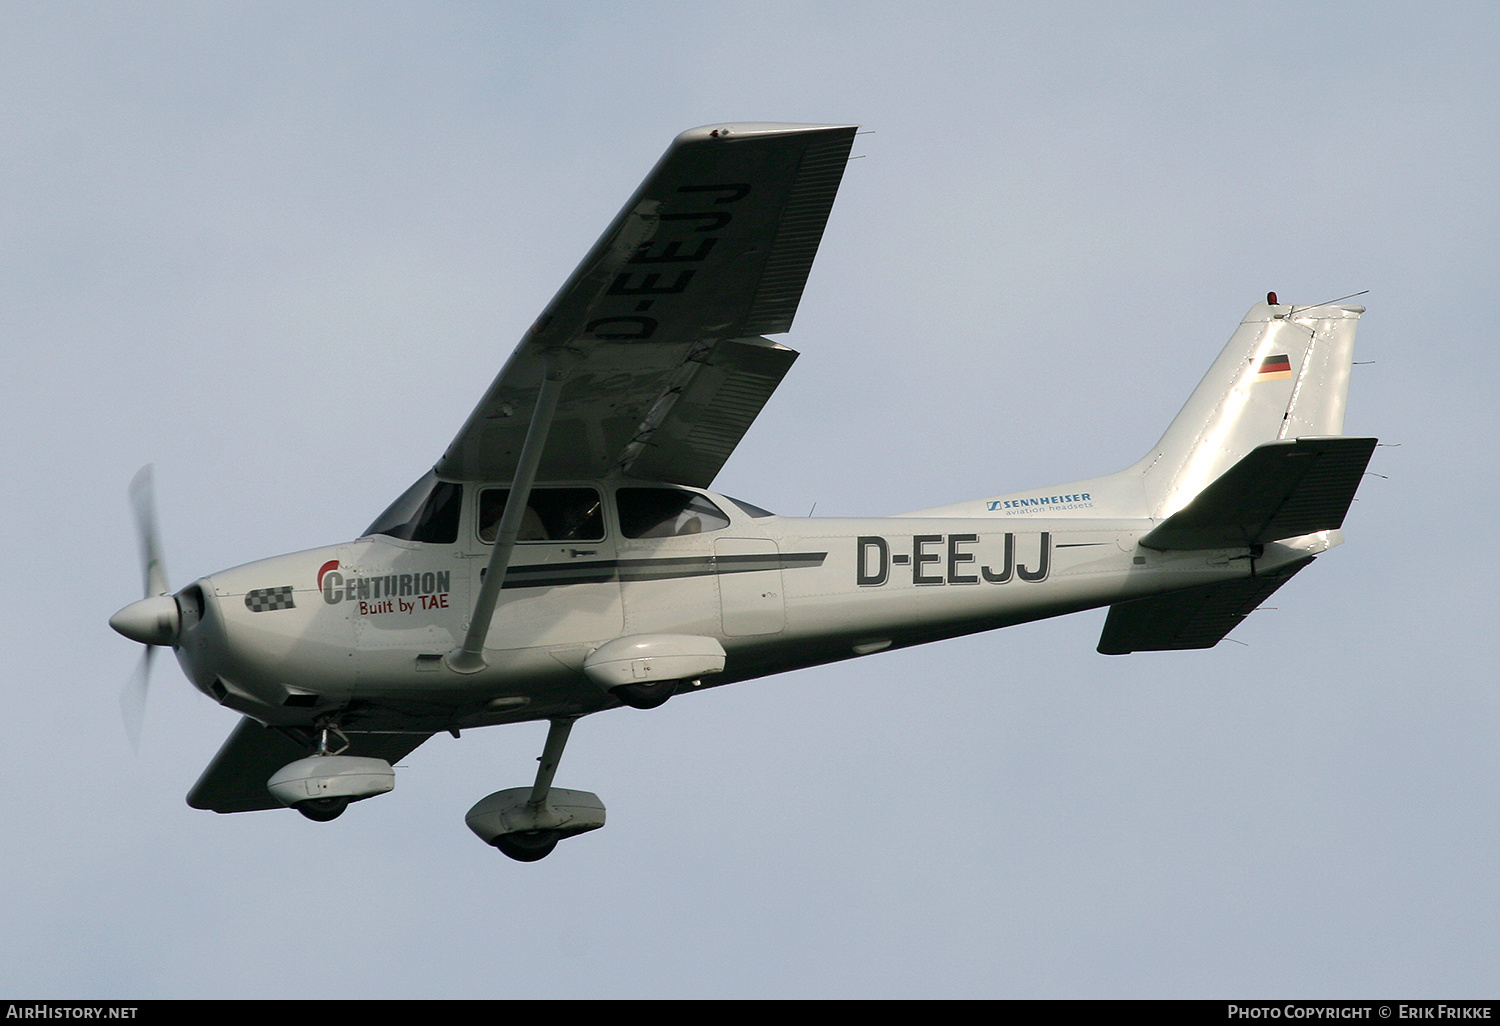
(384, 593)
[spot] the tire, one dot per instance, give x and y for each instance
(322, 810)
(645, 696)
(527, 845)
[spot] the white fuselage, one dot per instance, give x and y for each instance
(363, 627)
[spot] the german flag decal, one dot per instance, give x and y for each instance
(1273, 368)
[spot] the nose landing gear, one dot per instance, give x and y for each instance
(322, 785)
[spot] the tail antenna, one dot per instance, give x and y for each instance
(1329, 302)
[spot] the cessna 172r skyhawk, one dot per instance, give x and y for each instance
(564, 556)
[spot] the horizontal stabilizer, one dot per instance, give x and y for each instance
(236, 779)
(1195, 618)
(1281, 489)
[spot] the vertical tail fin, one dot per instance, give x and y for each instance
(1284, 374)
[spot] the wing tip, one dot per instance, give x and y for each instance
(728, 130)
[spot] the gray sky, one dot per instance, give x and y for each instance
(280, 250)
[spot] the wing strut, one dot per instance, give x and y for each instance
(470, 657)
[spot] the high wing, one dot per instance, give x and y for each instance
(660, 325)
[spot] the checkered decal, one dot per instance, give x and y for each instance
(264, 600)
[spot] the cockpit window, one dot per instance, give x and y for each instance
(666, 513)
(425, 512)
(552, 514)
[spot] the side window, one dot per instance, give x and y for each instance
(552, 514)
(666, 513)
(425, 512)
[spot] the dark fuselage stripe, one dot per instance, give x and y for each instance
(601, 571)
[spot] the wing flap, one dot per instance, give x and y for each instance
(716, 244)
(689, 440)
(235, 781)
(1282, 489)
(1194, 618)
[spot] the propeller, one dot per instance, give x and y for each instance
(143, 502)
(153, 620)
(133, 700)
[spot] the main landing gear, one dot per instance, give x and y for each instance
(526, 823)
(644, 670)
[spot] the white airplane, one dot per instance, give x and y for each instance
(565, 555)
